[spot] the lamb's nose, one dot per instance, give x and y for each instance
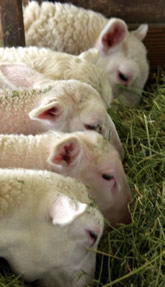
(92, 235)
(123, 77)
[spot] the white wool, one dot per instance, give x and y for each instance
(68, 28)
(17, 184)
(45, 225)
(71, 29)
(60, 66)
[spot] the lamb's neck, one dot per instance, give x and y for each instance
(14, 112)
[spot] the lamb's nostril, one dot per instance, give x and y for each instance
(107, 176)
(123, 77)
(93, 235)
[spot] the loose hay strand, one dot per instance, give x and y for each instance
(136, 270)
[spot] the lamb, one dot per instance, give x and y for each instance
(61, 66)
(14, 76)
(71, 29)
(66, 105)
(86, 156)
(46, 206)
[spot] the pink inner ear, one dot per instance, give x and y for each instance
(113, 37)
(49, 113)
(65, 154)
(19, 75)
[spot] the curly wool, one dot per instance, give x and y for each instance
(84, 26)
(18, 184)
(60, 66)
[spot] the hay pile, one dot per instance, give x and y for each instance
(134, 255)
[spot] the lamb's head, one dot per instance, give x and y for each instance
(82, 234)
(90, 158)
(124, 57)
(71, 105)
(19, 75)
(83, 68)
(48, 258)
(64, 105)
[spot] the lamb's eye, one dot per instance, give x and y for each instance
(96, 128)
(107, 176)
(91, 127)
(123, 77)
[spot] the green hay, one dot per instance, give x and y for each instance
(134, 255)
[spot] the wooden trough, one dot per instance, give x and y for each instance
(145, 11)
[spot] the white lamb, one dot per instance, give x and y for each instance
(68, 105)
(65, 27)
(47, 227)
(86, 156)
(61, 66)
(14, 76)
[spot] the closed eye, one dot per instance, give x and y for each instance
(91, 127)
(97, 128)
(107, 176)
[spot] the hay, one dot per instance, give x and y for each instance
(134, 255)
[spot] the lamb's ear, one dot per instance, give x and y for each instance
(20, 75)
(112, 35)
(64, 210)
(48, 111)
(90, 55)
(141, 32)
(67, 153)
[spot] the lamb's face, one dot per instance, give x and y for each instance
(84, 69)
(127, 70)
(98, 120)
(93, 160)
(92, 115)
(124, 57)
(109, 185)
(75, 106)
(54, 249)
(79, 265)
